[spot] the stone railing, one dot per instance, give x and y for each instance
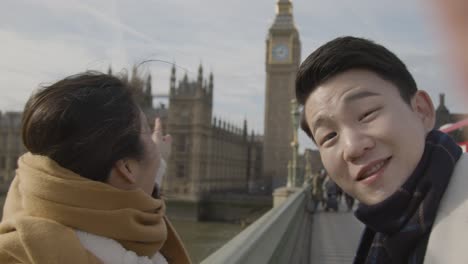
(282, 235)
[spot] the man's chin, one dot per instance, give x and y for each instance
(373, 199)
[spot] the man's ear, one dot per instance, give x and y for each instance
(422, 105)
(124, 169)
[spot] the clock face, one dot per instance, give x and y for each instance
(280, 52)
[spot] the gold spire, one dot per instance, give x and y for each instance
(284, 7)
(284, 15)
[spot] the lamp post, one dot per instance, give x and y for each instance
(292, 175)
(280, 195)
(308, 168)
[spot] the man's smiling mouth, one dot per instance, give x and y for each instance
(372, 169)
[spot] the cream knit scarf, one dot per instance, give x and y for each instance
(46, 202)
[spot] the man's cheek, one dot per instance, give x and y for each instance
(330, 164)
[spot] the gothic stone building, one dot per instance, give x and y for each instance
(209, 155)
(11, 145)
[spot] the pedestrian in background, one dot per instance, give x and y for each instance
(349, 201)
(332, 191)
(317, 189)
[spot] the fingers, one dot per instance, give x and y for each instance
(157, 124)
(164, 142)
(157, 132)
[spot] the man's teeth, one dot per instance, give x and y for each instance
(374, 169)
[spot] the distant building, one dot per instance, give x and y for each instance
(444, 117)
(283, 56)
(11, 145)
(143, 91)
(209, 154)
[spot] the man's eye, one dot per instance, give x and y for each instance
(369, 114)
(328, 137)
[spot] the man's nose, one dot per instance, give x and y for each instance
(356, 144)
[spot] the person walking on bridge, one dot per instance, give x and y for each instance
(332, 194)
(375, 133)
(317, 189)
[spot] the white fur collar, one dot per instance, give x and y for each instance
(111, 252)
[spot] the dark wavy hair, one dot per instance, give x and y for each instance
(346, 53)
(85, 122)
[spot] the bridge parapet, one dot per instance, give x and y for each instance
(282, 235)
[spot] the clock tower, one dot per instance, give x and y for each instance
(283, 54)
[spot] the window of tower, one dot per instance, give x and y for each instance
(182, 144)
(180, 170)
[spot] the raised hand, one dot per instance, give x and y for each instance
(164, 143)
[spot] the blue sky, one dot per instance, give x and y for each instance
(43, 41)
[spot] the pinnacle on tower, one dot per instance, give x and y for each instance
(148, 89)
(210, 83)
(200, 70)
(442, 99)
(200, 75)
(244, 132)
(284, 7)
(173, 73)
(284, 15)
(199, 87)
(173, 80)
(134, 73)
(442, 107)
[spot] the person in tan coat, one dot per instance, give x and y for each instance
(85, 191)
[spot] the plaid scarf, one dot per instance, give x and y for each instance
(398, 228)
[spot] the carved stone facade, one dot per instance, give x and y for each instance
(209, 155)
(143, 91)
(283, 55)
(11, 145)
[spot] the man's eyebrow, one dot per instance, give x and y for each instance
(359, 95)
(318, 122)
(321, 120)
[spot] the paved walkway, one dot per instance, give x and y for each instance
(335, 237)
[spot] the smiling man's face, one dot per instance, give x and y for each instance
(369, 138)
